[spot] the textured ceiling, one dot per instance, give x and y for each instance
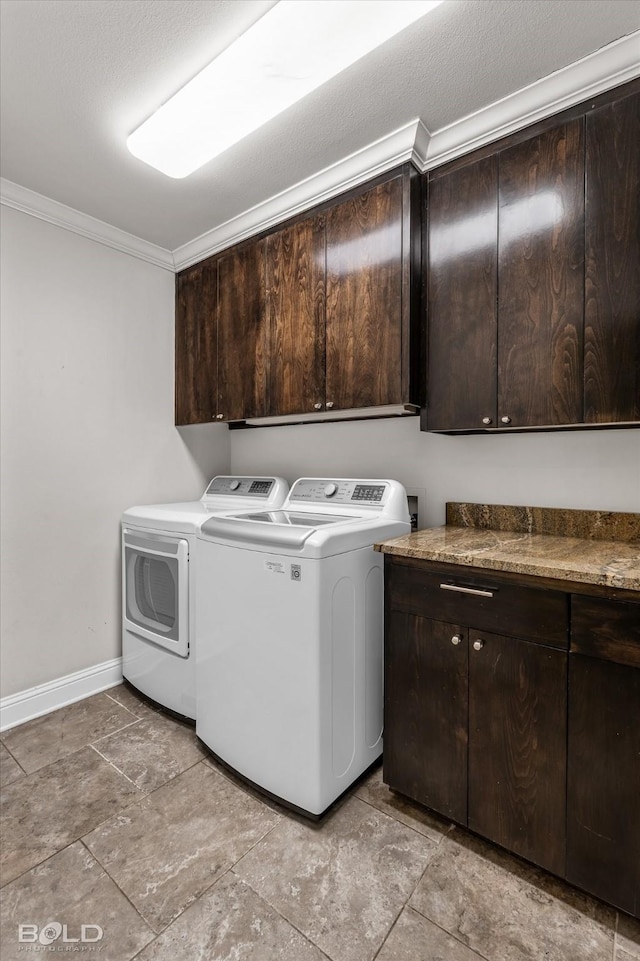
(79, 75)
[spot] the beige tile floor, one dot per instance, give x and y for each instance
(113, 817)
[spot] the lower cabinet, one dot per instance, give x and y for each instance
(603, 804)
(527, 733)
(518, 746)
(475, 728)
(426, 712)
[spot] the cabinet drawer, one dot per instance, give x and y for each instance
(479, 602)
(607, 629)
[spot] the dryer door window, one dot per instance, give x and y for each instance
(156, 589)
(153, 602)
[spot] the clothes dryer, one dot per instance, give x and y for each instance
(158, 602)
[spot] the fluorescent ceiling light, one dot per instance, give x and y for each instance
(296, 47)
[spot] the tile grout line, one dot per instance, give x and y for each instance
(136, 720)
(120, 704)
(39, 864)
(277, 910)
(227, 870)
(449, 934)
(10, 753)
(403, 823)
(393, 924)
(123, 893)
(100, 754)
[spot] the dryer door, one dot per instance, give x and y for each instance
(155, 584)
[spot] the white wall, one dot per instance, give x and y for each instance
(594, 469)
(87, 402)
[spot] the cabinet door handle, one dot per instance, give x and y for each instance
(505, 420)
(329, 404)
(317, 406)
(456, 639)
(466, 590)
(487, 421)
(478, 645)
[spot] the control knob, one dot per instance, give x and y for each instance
(330, 490)
(234, 485)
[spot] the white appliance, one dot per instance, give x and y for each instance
(289, 645)
(158, 603)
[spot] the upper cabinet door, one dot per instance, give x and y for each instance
(242, 333)
(462, 298)
(196, 343)
(612, 294)
(296, 287)
(364, 306)
(540, 279)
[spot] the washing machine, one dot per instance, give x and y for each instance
(158, 602)
(290, 646)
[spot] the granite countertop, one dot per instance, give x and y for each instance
(599, 547)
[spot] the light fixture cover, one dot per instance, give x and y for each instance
(294, 48)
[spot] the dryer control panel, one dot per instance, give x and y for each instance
(326, 490)
(240, 487)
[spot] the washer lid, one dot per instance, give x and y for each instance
(275, 528)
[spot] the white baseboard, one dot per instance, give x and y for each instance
(36, 701)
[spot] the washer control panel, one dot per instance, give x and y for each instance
(320, 490)
(240, 487)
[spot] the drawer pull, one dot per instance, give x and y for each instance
(466, 590)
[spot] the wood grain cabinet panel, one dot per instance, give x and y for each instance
(290, 335)
(364, 328)
(426, 709)
(196, 344)
(242, 332)
(532, 746)
(603, 803)
(475, 722)
(296, 297)
(536, 322)
(462, 298)
(517, 746)
(612, 287)
(540, 279)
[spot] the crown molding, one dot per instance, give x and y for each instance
(357, 168)
(53, 212)
(602, 70)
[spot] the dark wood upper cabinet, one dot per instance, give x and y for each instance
(462, 297)
(296, 292)
(533, 276)
(320, 314)
(540, 279)
(242, 332)
(196, 355)
(364, 304)
(612, 287)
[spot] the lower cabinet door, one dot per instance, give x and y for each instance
(603, 804)
(517, 746)
(426, 712)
